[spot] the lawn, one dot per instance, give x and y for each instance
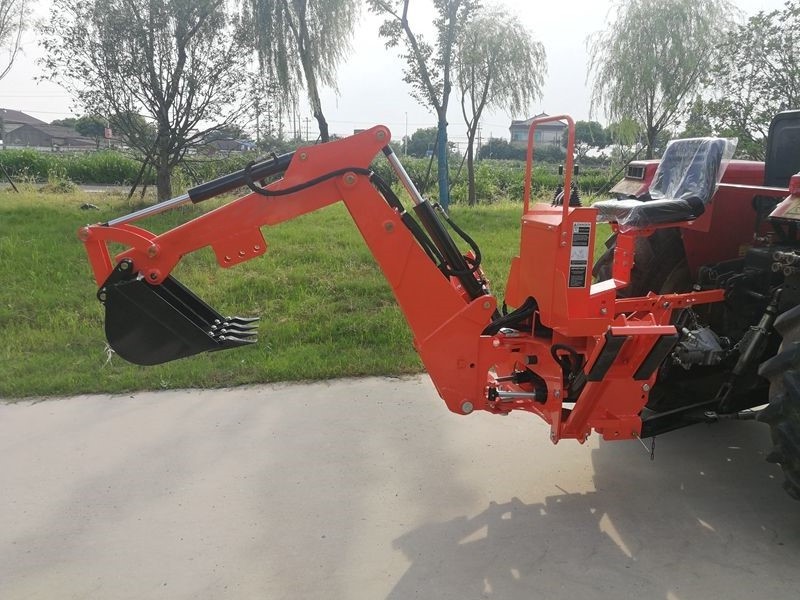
(326, 310)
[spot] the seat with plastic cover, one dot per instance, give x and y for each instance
(682, 186)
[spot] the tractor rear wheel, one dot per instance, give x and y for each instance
(660, 264)
(782, 413)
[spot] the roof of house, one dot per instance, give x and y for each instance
(229, 144)
(15, 116)
(56, 131)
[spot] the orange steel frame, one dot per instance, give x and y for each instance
(464, 365)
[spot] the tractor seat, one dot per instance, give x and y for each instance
(682, 187)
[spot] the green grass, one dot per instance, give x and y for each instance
(326, 310)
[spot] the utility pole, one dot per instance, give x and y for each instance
(257, 106)
(405, 139)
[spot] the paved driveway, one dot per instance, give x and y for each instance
(372, 489)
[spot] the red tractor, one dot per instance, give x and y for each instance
(690, 316)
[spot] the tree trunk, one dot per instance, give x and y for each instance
(323, 125)
(651, 142)
(441, 154)
(472, 196)
(164, 182)
(313, 97)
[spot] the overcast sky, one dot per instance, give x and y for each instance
(371, 88)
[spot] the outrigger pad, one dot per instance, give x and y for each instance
(153, 324)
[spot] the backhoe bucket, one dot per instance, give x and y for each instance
(153, 324)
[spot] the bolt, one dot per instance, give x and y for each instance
(467, 408)
(84, 234)
(381, 135)
(388, 226)
(242, 253)
(646, 387)
(604, 311)
(154, 275)
(152, 250)
(487, 305)
(102, 296)
(303, 156)
(125, 266)
(665, 305)
(557, 393)
(349, 179)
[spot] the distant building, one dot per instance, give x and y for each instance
(14, 119)
(47, 137)
(228, 145)
(547, 134)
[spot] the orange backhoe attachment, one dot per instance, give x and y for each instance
(569, 351)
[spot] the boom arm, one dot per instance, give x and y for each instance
(446, 324)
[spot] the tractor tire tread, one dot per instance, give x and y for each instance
(782, 414)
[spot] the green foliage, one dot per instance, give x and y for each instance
(428, 66)
(179, 63)
(68, 122)
(501, 149)
(111, 167)
(755, 75)
(58, 183)
(300, 45)
(96, 167)
(499, 65)
(590, 135)
(496, 180)
(697, 123)
(423, 141)
(648, 63)
(92, 126)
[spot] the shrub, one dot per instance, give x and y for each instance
(496, 180)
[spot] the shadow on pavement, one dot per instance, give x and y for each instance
(706, 519)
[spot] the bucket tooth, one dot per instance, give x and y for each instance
(243, 320)
(231, 341)
(233, 325)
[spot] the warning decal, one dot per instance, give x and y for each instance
(579, 254)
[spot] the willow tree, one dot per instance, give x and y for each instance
(498, 65)
(13, 16)
(648, 63)
(167, 72)
(756, 75)
(300, 44)
(429, 67)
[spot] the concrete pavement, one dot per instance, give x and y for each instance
(370, 488)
